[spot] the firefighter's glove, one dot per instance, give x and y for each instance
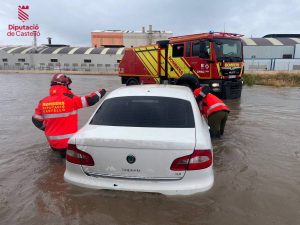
(205, 90)
(102, 92)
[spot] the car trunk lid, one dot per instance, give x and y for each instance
(134, 152)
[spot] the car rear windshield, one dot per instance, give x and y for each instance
(145, 111)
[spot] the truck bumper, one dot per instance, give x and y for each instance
(226, 89)
(232, 89)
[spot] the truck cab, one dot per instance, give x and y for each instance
(213, 59)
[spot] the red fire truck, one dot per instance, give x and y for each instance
(214, 59)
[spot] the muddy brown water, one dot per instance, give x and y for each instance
(256, 165)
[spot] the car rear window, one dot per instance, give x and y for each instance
(145, 111)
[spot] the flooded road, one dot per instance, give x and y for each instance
(256, 164)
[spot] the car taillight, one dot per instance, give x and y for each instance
(76, 156)
(200, 159)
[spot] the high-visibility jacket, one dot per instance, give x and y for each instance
(57, 115)
(210, 103)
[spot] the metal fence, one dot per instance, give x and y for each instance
(101, 68)
(250, 65)
(272, 64)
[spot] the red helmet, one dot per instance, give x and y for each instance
(60, 78)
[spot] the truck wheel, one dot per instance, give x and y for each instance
(132, 81)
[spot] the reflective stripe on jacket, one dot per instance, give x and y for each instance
(58, 113)
(198, 91)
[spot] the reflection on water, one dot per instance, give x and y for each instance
(257, 166)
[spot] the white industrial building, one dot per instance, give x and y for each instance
(272, 52)
(60, 58)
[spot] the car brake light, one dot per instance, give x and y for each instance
(76, 156)
(200, 159)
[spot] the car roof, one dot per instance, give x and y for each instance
(162, 90)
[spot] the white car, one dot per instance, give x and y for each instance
(146, 138)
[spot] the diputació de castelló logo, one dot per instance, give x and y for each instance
(22, 15)
(23, 30)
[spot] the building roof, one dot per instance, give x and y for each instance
(62, 50)
(282, 36)
(270, 41)
(132, 31)
(119, 51)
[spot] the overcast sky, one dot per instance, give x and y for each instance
(71, 22)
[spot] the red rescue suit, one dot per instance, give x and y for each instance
(57, 115)
(210, 103)
(213, 109)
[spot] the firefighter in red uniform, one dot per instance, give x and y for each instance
(57, 115)
(213, 109)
